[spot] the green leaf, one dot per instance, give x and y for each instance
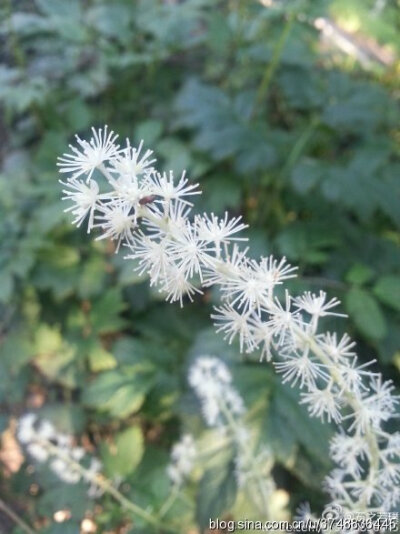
(289, 424)
(130, 350)
(119, 392)
(16, 350)
(359, 274)
(366, 313)
(121, 457)
(91, 280)
(306, 175)
(387, 289)
(78, 114)
(68, 418)
(6, 285)
(58, 8)
(105, 312)
(55, 357)
(59, 496)
(99, 358)
(217, 492)
(149, 131)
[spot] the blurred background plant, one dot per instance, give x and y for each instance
(284, 112)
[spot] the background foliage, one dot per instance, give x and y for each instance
(275, 125)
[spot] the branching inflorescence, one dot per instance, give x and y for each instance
(120, 193)
(44, 443)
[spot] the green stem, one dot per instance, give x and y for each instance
(15, 47)
(107, 487)
(272, 66)
(299, 146)
(17, 520)
(170, 501)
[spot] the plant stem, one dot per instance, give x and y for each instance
(17, 520)
(107, 487)
(170, 501)
(299, 146)
(272, 66)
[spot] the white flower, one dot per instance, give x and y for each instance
(219, 231)
(77, 453)
(183, 456)
(375, 408)
(366, 489)
(231, 323)
(130, 163)
(248, 466)
(208, 366)
(150, 212)
(282, 320)
(352, 375)
(245, 291)
(390, 473)
(117, 223)
(177, 286)
(321, 403)
(84, 199)
(211, 380)
(302, 368)
(336, 486)
(26, 428)
(337, 350)
(317, 305)
(44, 443)
(89, 156)
(46, 431)
(152, 255)
(349, 452)
(188, 252)
(273, 271)
(37, 451)
(129, 191)
(163, 186)
(303, 512)
(64, 471)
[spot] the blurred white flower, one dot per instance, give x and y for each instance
(183, 456)
(322, 403)
(44, 443)
(211, 380)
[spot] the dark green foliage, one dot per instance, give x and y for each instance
(299, 141)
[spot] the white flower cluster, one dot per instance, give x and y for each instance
(223, 407)
(211, 380)
(181, 253)
(183, 456)
(44, 443)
